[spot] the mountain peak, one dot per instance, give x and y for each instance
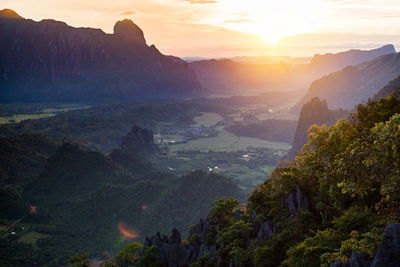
(389, 49)
(9, 14)
(129, 31)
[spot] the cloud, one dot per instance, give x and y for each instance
(201, 1)
(130, 12)
(238, 20)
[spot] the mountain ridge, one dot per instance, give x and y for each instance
(254, 75)
(354, 84)
(50, 61)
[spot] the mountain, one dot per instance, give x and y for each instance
(260, 74)
(354, 84)
(334, 62)
(335, 206)
(79, 200)
(313, 112)
(392, 87)
(49, 61)
(139, 140)
(272, 59)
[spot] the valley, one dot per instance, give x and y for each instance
(108, 145)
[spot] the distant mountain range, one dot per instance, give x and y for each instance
(260, 74)
(355, 84)
(49, 61)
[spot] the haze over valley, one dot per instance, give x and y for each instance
(108, 144)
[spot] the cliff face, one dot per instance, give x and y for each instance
(388, 254)
(51, 61)
(139, 140)
(313, 112)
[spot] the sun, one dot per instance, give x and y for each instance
(272, 20)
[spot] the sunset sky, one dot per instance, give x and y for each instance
(223, 28)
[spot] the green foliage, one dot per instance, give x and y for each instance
(108, 264)
(308, 252)
(150, 258)
(290, 232)
(12, 205)
(234, 240)
(210, 239)
(222, 211)
(374, 112)
(129, 254)
(22, 157)
(194, 239)
(78, 260)
(205, 261)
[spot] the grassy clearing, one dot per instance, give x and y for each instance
(226, 141)
(208, 119)
(32, 238)
(15, 113)
(22, 117)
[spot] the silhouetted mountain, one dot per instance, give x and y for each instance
(392, 87)
(313, 112)
(138, 141)
(354, 85)
(334, 62)
(53, 62)
(263, 74)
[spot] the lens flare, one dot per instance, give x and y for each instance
(145, 206)
(32, 209)
(122, 229)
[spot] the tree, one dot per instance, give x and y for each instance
(79, 260)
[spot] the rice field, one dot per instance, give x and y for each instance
(227, 142)
(208, 119)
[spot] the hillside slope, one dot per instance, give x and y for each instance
(356, 84)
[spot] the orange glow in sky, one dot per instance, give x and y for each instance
(123, 230)
(222, 28)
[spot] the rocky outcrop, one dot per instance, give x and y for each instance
(388, 254)
(139, 140)
(126, 29)
(49, 61)
(173, 252)
(202, 236)
(356, 260)
(294, 202)
(313, 112)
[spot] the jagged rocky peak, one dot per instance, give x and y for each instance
(388, 254)
(314, 107)
(128, 30)
(314, 112)
(9, 14)
(139, 140)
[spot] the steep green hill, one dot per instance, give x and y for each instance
(83, 200)
(329, 207)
